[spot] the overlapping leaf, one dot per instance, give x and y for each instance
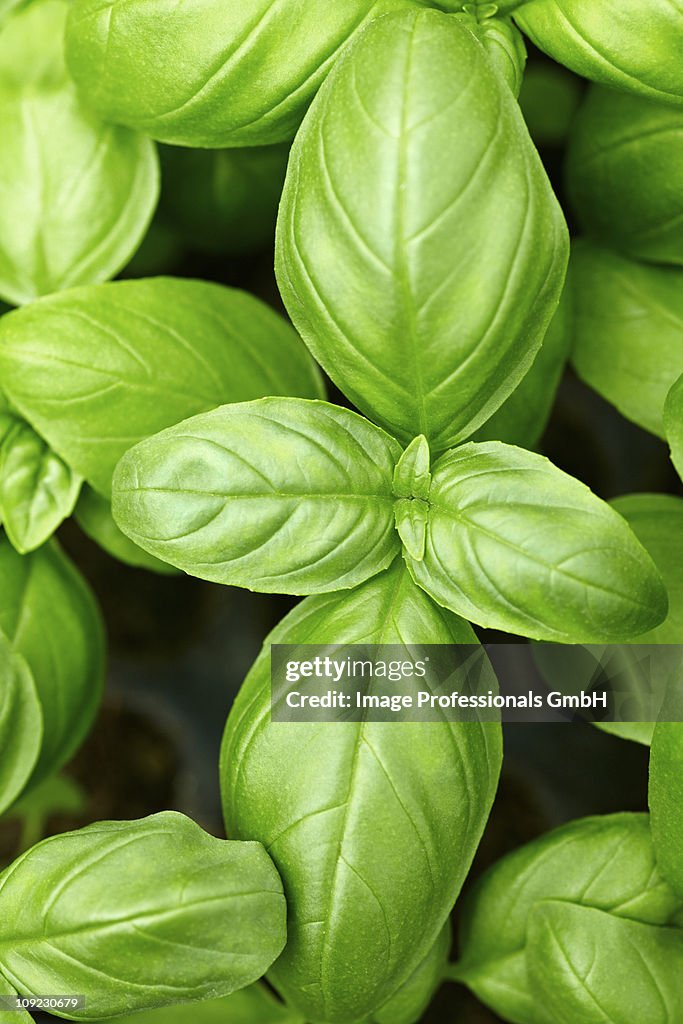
(76, 194)
(185, 73)
(420, 250)
(515, 544)
(139, 914)
(628, 331)
(96, 369)
(277, 495)
(377, 827)
(626, 44)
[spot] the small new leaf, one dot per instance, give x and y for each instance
(37, 489)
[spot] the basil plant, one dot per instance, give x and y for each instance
(425, 267)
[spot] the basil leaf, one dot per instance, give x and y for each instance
(253, 1005)
(223, 201)
(422, 275)
(37, 489)
(76, 195)
(393, 815)
(666, 800)
(673, 424)
(93, 515)
(50, 617)
(657, 521)
(523, 417)
(504, 46)
(597, 41)
(414, 996)
(220, 75)
(605, 863)
(628, 331)
(590, 966)
(11, 1016)
(139, 914)
(97, 369)
(515, 544)
(21, 724)
(625, 173)
(278, 495)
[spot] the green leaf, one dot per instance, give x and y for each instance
(97, 369)
(673, 424)
(666, 800)
(412, 999)
(139, 914)
(11, 1016)
(515, 544)
(50, 617)
(278, 495)
(625, 173)
(253, 1005)
(31, 46)
(223, 201)
(21, 724)
(628, 44)
(503, 43)
(590, 966)
(93, 515)
(210, 74)
(37, 489)
(76, 195)
(378, 825)
(605, 863)
(422, 272)
(523, 417)
(628, 331)
(657, 521)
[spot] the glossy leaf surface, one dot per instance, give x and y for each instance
(50, 617)
(278, 495)
(93, 515)
(625, 173)
(76, 194)
(627, 44)
(185, 72)
(666, 799)
(628, 331)
(37, 489)
(139, 914)
(523, 417)
(393, 813)
(515, 544)
(422, 272)
(21, 724)
(603, 864)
